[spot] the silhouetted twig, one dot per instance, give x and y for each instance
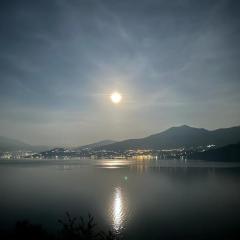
(71, 229)
(74, 229)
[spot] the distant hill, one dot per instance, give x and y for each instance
(9, 144)
(174, 137)
(227, 154)
(12, 144)
(55, 152)
(73, 152)
(183, 136)
(95, 145)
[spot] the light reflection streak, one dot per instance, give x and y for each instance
(113, 163)
(118, 211)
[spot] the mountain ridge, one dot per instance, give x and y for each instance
(10, 144)
(95, 144)
(173, 137)
(181, 136)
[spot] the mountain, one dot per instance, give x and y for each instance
(9, 144)
(72, 152)
(177, 137)
(227, 153)
(95, 145)
(55, 152)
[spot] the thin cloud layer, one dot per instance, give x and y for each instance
(174, 62)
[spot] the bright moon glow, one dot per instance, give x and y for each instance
(116, 97)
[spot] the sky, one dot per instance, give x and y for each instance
(174, 62)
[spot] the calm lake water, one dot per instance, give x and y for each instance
(150, 199)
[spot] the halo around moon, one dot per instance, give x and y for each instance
(116, 97)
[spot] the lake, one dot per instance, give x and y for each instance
(151, 199)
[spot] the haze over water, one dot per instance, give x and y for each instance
(150, 199)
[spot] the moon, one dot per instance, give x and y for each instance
(116, 97)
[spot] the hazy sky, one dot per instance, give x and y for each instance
(175, 62)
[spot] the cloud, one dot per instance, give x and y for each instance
(171, 60)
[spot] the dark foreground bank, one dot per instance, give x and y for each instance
(72, 228)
